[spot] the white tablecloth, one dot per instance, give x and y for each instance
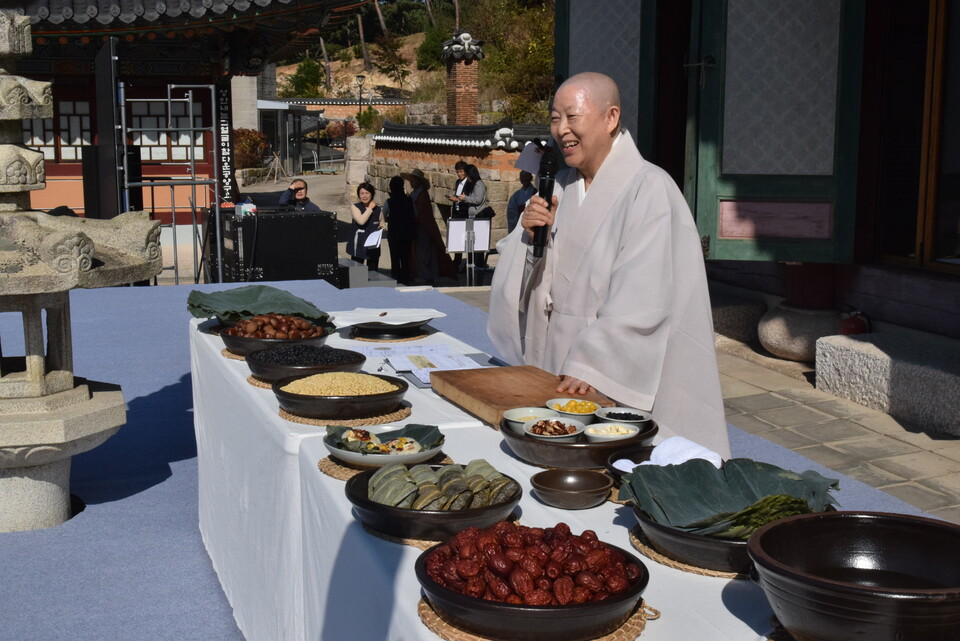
(358, 586)
(249, 477)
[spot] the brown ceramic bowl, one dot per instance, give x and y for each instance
(533, 623)
(697, 550)
(574, 456)
(432, 525)
(341, 407)
(261, 367)
(835, 576)
(572, 489)
(242, 346)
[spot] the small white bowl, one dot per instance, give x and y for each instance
(604, 412)
(517, 416)
(604, 432)
(585, 417)
(560, 438)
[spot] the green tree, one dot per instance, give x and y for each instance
(306, 82)
(518, 52)
(388, 59)
(428, 53)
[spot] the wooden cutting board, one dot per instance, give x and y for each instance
(489, 392)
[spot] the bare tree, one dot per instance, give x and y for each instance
(456, 14)
(363, 46)
(383, 25)
(326, 65)
(433, 20)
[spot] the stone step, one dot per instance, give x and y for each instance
(912, 376)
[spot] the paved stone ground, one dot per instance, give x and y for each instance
(771, 398)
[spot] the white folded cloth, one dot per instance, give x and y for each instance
(673, 451)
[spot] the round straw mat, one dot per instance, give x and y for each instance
(226, 353)
(630, 629)
(398, 415)
(259, 382)
(423, 544)
(343, 471)
(644, 546)
(779, 632)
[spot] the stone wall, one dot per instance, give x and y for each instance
(426, 113)
(496, 169)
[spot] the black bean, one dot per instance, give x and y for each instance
(624, 416)
(299, 354)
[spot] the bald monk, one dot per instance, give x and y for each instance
(619, 301)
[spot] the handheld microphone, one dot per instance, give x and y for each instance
(546, 182)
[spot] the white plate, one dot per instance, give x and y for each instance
(379, 460)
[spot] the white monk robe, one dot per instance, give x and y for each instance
(619, 299)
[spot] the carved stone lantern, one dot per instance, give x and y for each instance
(46, 413)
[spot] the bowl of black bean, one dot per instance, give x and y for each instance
(302, 360)
(625, 415)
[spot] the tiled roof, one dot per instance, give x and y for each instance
(125, 12)
(503, 135)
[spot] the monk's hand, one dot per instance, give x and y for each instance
(536, 214)
(573, 385)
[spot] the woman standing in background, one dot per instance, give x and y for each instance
(366, 219)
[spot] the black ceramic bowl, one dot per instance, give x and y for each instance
(341, 407)
(242, 346)
(572, 489)
(262, 368)
(432, 525)
(635, 453)
(533, 623)
(835, 576)
(695, 549)
(386, 331)
(575, 456)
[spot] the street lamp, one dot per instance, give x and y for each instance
(360, 79)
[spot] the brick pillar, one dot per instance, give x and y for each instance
(462, 92)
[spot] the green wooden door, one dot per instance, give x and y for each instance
(775, 97)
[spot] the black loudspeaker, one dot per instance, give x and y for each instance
(277, 246)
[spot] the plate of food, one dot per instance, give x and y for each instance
(340, 395)
(386, 322)
(384, 444)
(576, 455)
(432, 502)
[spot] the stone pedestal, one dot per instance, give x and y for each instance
(37, 439)
(792, 332)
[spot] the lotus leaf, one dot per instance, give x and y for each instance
(728, 502)
(251, 300)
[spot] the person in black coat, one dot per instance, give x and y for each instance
(401, 222)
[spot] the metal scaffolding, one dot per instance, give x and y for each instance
(191, 179)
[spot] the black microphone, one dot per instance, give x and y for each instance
(546, 181)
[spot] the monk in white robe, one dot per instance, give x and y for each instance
(619, 301)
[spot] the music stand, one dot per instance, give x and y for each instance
(469, 235)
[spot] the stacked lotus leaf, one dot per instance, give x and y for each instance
(450, 487)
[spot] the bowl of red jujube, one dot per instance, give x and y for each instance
(523, 583)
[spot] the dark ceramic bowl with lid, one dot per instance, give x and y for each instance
(290, 361)
(579, 455)
(430, 525)
(509, 622)
(341, 406)
(835, 576)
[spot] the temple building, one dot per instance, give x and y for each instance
(142, 95)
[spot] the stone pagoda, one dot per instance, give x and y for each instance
(46, 414)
